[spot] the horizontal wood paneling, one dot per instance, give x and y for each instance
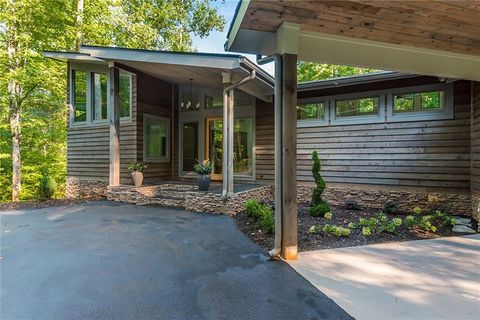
(88, 147)
(475, 168)
(426, 154)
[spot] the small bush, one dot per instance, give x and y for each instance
(352, 225)
(351, 204)
(410, 221)
(328, 216)
(429, 222)
(336, 231)
(262, 214)
(366, 231)
(314, 229)
(417, 210)
(390, 207)
(48, 186)
(320, 209)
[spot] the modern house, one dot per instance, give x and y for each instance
(384, 136)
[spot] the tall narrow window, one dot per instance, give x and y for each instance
(125, 93)
(79, 96)
(356, 107)
(190, 145)
(99, 96)
(155, 139)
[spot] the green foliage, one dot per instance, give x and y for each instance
(390, 207)
(429, 222)
(35, 26)
(48, 186)
(309, 71)
(138, 166)
(319, 206)
(328, 216)
(336, 231)
(379, 223)
(203, 168)
(261, 213)
(352, 225)
(366, 231)
(314, 229)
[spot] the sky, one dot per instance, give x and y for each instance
(215, 41)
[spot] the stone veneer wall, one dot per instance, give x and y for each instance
(376, 199)
(77, 188)
(212, 202)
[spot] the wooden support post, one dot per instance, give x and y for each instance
(227, 165)
(230, 129)
(114, 122)
(288, 170)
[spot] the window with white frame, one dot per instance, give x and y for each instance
(418, 101)
(79, 92)
(90, 96)
(99, 96)
(357, 107)
(311, 111)
(155, 138)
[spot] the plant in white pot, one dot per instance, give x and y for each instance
(137, 172)
(203, 169)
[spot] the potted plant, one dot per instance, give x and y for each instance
(137, 172)
(204, 169)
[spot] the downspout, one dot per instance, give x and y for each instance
(228, 106)
(172, 140)
(275, 252)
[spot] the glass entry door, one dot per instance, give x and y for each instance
(242, 146)
(189, 145)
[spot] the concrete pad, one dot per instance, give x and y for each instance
(428, 279)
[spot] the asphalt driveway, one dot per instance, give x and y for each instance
(104, 260)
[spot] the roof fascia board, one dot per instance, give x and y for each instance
(195, 60)
(72, 56)
(240, 12)
(322, 48)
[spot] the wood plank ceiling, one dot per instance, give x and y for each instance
(452, 26)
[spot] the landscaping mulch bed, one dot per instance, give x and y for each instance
(341, 217)
(22, 205)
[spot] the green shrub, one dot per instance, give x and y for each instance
(314, 229)
(261, 213)
(319, 206)
(336, 231)
(351, 204)
(410, 221)
(328, 216)
(366, 231)
(47, 186)
(352, 225)
(320, 209)
(417, 210)
(429, 222)
(371, 223)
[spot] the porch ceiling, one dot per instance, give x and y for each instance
(440, 34)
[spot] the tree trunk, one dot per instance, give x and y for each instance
(14, 92)
(79, 25)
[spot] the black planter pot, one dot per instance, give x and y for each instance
(203, 182)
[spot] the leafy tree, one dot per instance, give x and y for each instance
(33, 88)
(309, 71)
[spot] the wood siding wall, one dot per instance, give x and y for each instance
(88, 147)
(154, 98)
(476, 139)
(424, 155)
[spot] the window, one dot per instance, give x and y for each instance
(213, 102)
(189, 146)
(125, 93)
(79, 96)
(424, 101)
(311, 111)
(155, 138)
(356, 107)
(99, 96)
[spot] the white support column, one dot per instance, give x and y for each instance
(114, 122)
(227, 157)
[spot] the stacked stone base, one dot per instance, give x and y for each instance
(78, 188)
(405, 201)
(476, 208)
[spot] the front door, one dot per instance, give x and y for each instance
(242, 146)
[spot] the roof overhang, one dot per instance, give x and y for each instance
(304, 28)
(202, 69)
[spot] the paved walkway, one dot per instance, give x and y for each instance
(428, 279)
(105, 260)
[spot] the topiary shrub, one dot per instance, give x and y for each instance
(319, 206)
(47, 186)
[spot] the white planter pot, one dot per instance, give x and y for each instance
(137, 177)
